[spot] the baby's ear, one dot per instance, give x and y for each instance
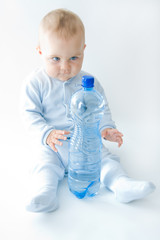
(39, 50)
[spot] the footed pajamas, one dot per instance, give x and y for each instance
(45, 107)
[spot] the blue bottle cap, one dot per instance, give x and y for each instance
(87, 81)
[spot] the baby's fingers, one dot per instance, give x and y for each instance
(52, 145)
(115, 131)
(61, 132)
(119, 133)
(58, 136)
(119, 140)
(57, 142)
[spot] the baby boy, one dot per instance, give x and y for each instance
(45, 110)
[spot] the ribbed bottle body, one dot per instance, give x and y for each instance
(85, 160)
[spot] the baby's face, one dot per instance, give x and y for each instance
(62, 58)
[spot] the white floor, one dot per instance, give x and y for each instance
(101, 217)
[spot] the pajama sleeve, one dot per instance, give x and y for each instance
(31, 110)
(106, 121)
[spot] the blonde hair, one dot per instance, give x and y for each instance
(62, 22)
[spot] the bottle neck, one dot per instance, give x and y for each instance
(88, 89)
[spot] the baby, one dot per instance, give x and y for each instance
(45, 110)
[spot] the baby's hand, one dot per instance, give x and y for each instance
(53, 137)
(112, 135)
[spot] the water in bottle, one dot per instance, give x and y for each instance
(86, 108)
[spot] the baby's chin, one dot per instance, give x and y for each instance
(63, 79)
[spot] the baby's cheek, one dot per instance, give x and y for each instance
(52, 71)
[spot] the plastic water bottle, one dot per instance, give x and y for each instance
(86, 108)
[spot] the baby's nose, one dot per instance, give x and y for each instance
(65, 66)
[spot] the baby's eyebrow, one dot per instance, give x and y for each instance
(76, 55)
(53, 55)
(57, 55)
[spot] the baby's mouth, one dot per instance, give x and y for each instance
(65, 75)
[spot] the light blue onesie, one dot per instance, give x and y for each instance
(45, 106)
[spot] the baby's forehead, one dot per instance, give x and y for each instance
(53, 39)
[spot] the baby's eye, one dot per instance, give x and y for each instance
(56, 59)
(73, 58)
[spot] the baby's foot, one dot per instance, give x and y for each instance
(127, 190)
(44, 201)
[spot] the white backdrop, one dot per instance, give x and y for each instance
(123, 52)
